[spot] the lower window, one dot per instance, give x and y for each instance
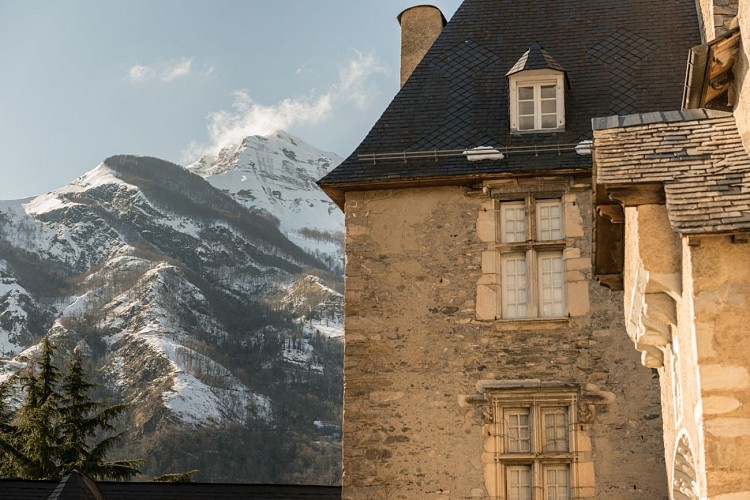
(554, 482)
(534, 453)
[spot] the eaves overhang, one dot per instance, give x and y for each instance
(692, 161)
(709, 72)
(337, 191)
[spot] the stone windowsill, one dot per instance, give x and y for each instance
(503, 325)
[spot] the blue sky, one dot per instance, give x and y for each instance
(85, 79)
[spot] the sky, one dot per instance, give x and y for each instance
(86, 79)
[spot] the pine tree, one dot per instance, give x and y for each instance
(7, 430)
(80, 419)
(36, 421)
(50, 433)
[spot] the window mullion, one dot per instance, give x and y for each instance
(537, 106)
(531, 265)
(530, 218)
(532, 273)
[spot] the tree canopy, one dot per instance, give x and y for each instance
(57, 427)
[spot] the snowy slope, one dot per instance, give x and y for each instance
(150, 268)
(190, 298)
(276, 175)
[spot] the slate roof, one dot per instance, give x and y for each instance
(11, 489)
(535, 58)
(697, 155)
(76, 486)
(620, 56)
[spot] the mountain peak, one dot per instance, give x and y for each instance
(277, 174)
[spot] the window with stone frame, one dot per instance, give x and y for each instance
(530, 258)
(535, 436)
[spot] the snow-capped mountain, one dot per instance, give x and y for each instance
(189, 304)
(276, 174)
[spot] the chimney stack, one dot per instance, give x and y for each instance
(420, 27)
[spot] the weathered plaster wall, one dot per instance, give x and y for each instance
(414, 346)
(720, 273)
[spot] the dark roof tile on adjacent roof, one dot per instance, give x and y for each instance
(76, 486)
(12, 489)
(617, 59)
(697, 155)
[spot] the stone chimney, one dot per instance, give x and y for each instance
(420, 27)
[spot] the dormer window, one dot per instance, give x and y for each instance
(537, 92)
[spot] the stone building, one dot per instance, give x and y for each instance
(673, 231)
(482, 360)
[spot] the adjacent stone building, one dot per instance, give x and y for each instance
(482, 359)
(673, 231)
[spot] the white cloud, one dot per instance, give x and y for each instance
(176, 69)
(228, 128)
(163, 71)
(139, 73)
(352, 84)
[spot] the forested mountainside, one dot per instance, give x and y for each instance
(209, 302)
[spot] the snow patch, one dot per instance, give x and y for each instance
(100, 176)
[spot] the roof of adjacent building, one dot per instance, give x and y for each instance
(41, 490)
(76, 486)
(619, 58)
(698, 157)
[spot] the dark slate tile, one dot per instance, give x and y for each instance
(458, 94)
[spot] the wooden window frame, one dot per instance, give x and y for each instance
(532, 250)
(536, 79)
(537, 459)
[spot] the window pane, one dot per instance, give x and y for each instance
(555, 424)
(525, 123)
(551, 285)
(556, 482)
(517, 431)
(514, 287)
(549, 121)
(526, 108)
(549, 221)
(549, 106)
(519, 482)
(513, 222)
(549, 91)
(525, 93)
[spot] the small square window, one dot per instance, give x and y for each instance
(519, 482)
(518, 431)
(549, 220)
(555, 422)
(556, 482)
(513, 222)
(537, 101)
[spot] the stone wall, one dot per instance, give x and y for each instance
(742, 78)
(414, 350)
(687, 308)
(720, 273)
(420, 27)
(716, 16)
(659, 315)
